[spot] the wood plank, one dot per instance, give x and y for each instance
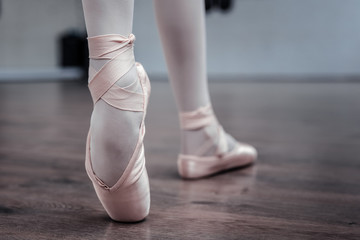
(306, 184)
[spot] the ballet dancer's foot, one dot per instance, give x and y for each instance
(206, 148)
(115, 160)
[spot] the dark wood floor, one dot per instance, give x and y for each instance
(306, 184)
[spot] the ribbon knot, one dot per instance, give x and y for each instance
(131, 38)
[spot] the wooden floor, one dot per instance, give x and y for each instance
(306, 184)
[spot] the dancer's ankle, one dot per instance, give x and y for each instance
(200, 133)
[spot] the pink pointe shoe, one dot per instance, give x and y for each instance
(198, 166)
(128, 200)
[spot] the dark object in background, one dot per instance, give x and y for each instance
(74, 50)
(224, 5)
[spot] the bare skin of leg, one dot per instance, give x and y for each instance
(114, 132)
(181, 25)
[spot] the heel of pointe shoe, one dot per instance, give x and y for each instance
(189, 167)
(128, 204)
(193, 167)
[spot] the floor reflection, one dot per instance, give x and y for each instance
(116, 230)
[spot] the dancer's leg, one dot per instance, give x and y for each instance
(182, 31)
(114, 132)
(108, 17)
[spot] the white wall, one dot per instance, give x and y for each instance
(29, 29)
(257, 37)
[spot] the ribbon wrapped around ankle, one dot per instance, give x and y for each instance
(107, 46)
(199, 118)
(202, 117)
(118, 51)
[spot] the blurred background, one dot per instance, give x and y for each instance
(285, 78)
(252, 38)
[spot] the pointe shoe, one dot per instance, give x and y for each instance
(128, 200)
(197, 166)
